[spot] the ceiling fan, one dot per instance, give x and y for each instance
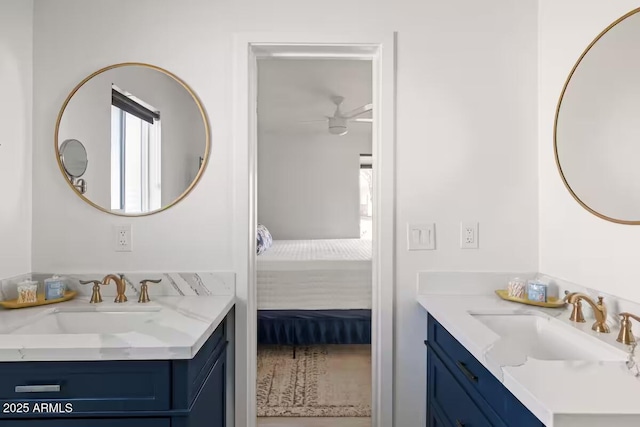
(338, 122)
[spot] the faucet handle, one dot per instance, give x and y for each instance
(144, 289)
(567, 295)
(96, 297)
(629, 315)
(626, 335)
(576, 313)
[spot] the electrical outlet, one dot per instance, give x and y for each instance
(468, 235)
(122, 238)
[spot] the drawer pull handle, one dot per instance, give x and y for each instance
(53, 388)
(459, 424)
(466, 371)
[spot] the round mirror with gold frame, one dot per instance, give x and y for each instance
(146, 133)
(597, 125)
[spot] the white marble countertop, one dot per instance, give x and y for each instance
(168, 327)
(559, 393)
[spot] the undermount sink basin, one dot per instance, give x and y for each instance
(87, 322)
(545, 338)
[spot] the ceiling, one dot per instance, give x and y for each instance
(291, 91)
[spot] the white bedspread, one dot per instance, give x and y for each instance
(318, 250)
(315, 275)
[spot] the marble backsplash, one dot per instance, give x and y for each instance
(187, 284)
(482, 283)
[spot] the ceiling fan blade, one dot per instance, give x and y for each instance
(313, 121)
(361, 120)
(358, 111)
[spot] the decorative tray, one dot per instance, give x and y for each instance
(41, 301)
(551, 303)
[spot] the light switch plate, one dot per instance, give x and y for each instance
(421, 237)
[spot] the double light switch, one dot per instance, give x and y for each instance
(421, 237)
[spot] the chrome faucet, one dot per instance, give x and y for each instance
(121, 286)
(599, 310)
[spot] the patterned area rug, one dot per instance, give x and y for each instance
(322, 381)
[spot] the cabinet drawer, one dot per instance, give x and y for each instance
(65, 387)
(449, 398)
(77, 422)
(476, 378)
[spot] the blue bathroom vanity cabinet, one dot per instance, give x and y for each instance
(461, 392)
(138, 393)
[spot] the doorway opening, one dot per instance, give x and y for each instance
(379, 50)
(314, 267)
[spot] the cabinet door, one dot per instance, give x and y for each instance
(209, 407)
(434, 419)
(448, 397)
(78, 422)
(189, 375)
(480, 384)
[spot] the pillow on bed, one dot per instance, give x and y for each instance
(264, 239)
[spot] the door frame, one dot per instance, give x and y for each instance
(380, 48)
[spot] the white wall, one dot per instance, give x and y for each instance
(308, 179)
(466, 136)
(309, 184)
(87, 118)
(574, 244)
(16, 68)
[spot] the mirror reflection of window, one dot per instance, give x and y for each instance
(136, 155)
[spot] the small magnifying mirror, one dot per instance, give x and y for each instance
(73, 156)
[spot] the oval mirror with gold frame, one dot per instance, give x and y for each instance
(146, 133)
(597, 124)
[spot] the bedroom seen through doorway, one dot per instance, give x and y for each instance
(314, 241)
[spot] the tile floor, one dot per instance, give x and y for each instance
(313, 422)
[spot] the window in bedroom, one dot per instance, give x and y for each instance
(366, 192)
(135, 154)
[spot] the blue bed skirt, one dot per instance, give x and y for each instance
(313, 327)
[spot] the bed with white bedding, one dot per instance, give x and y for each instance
(315, 292)
(315, 275)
